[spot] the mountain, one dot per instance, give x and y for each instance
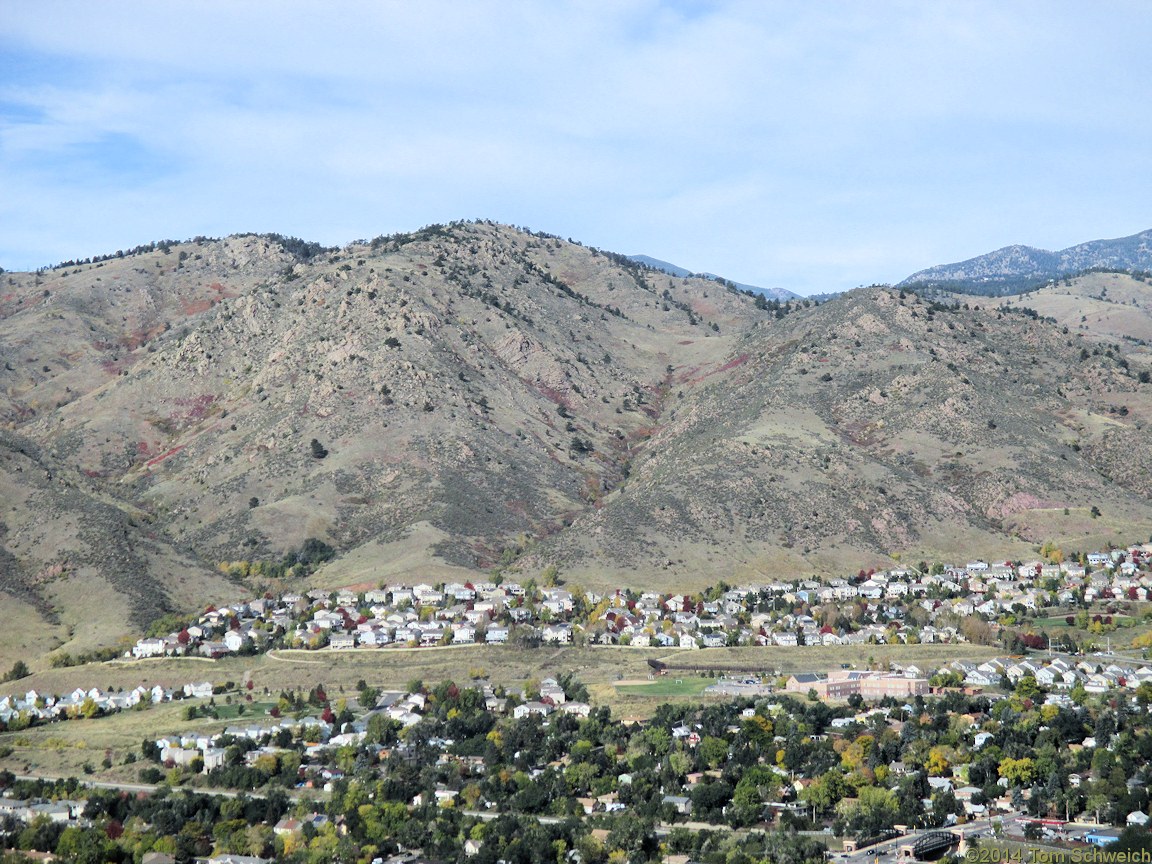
(181, 419)
(657, 264)
(470, 387)
(664, 266)
(874, 424)
(1017, 267)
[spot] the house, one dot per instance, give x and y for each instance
(580, 709)
(445, 797)
(374, 637)
(149, 648)
(551, 691)
(212, 650)
(558, 634)
(426, 595)
(682, 805)
(1102, 836)
(979, 678)
(538, 708)
(235, 639)
(287, 826)
(213, 758)
(1049, 676)
(342, 641)
(179, 755)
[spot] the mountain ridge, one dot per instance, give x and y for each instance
(1012, 265)
(676, 270)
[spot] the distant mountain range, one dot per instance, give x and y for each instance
(675, 270)
(1015, 268)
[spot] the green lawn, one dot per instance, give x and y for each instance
(256, 710)
(668, 687)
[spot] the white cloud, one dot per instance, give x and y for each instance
(747, 135)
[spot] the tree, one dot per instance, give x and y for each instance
(318, 451)
(1144, 693)
(713, 751)
(1018, 772)
(1027, 688)
(938, 762)
(746, 807)
(873, 811)
(19, 670)
(827, 790)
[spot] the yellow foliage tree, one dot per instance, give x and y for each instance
(937, 762)
(857, 753)
(1018, 772)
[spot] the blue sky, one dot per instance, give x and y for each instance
(810, 146)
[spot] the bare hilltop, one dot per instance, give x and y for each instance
(438, 404)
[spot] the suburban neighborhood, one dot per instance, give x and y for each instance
(939, 604)
(1043, 743)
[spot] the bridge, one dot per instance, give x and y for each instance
(933, 845)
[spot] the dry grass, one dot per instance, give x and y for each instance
(405, 560)
(65, 748)
(26, 636)
(1122, 311)
(340, 671)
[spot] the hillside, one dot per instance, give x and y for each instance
(72, 556)
(875, 424)
(435, 404)
(1016, 268)
(1110, 306)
